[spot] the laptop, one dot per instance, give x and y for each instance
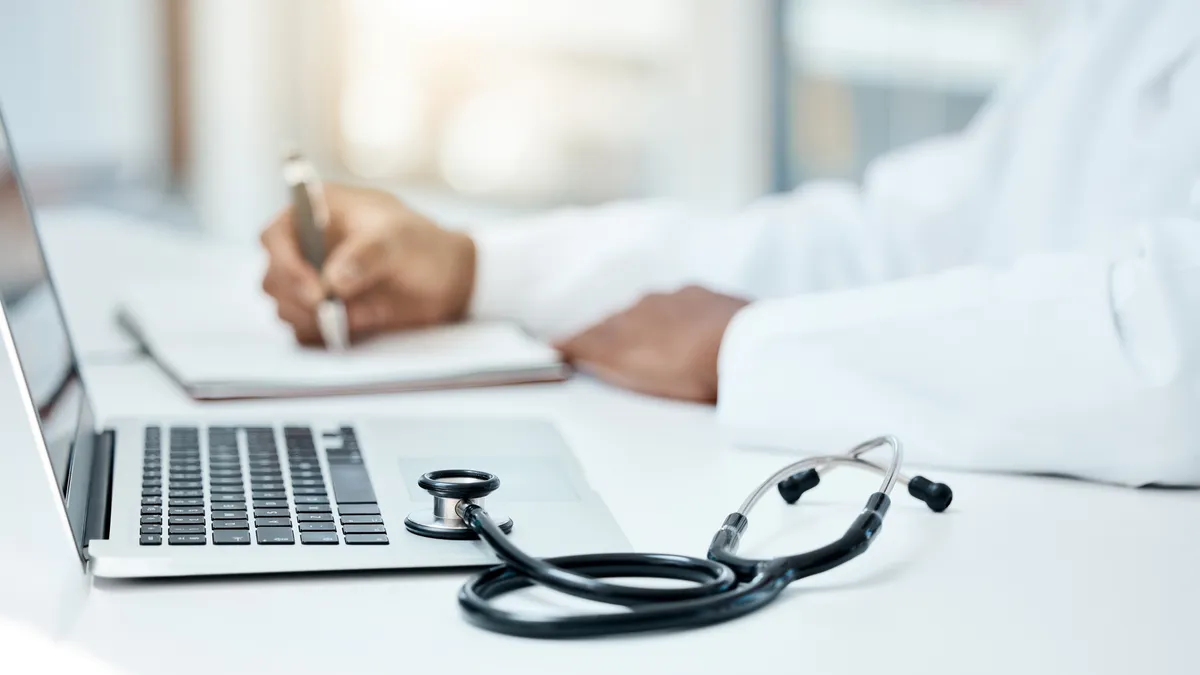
(158, 497)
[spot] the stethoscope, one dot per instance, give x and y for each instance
(726, 586)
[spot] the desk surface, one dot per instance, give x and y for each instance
(1030, 575)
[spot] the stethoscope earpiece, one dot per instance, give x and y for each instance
(796, 485)
(936, 495)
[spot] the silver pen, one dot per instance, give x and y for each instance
(311, 216)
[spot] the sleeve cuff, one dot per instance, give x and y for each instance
(505, 270)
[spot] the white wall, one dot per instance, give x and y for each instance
(83, 82)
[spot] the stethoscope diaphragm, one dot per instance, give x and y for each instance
(451, 490)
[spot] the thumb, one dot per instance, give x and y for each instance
(355, 265)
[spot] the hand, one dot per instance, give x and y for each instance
(665, 345)
(392, 267)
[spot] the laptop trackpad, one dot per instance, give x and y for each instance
(522, 479)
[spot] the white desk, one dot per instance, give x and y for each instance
(1021, 575)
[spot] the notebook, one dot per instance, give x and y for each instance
(225, 344)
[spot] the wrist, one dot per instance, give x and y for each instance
(463, 278)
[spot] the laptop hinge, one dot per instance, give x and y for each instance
(100, 492)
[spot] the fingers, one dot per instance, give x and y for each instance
(595, 344)
(356, 265)
(289, 277)
(294, 283)
(303, 321)
(380, 309)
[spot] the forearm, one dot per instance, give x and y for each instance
(563, 270)
(558, 272)
(1031, 369)
(566, 269)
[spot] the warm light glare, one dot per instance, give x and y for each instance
(383, 122)
(497, 143)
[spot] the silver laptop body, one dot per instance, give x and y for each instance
(159, 497)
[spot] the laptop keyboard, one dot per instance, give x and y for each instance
(243, 498)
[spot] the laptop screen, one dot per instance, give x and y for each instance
(39, 336)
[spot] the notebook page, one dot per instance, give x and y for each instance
(214, 338)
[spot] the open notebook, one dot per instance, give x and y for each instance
(220, 345)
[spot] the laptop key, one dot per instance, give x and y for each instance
(272, 513)
(185, 502)
(185, 520)
(184, 494)
(151, 540)
(187, 540)
(312, 508)
(361, 520)
(151, 529)
(186, 511)
(231, 537)
(318, 538)
(270, 495)
(186, 529)
(228, 498)
(358, 509)
(228, 515)
(366, 539)
(351, 484)
(230, 525)
(364, 529)
(151, 520)
(227, 489)
(151, 510)
(311, 499)
(221, 480)
(270, 504)
(309, 491)
(186, 485)
(275, 535)
(318, 527)
(151, 501)
(151, 492)
(267, 487)
(314, 517)
(272, 522)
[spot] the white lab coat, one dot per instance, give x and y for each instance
(1024, 296)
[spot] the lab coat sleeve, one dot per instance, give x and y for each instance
(1066, 363)
(563, 270)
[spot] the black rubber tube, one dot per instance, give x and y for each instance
(717, 598)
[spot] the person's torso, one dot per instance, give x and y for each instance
(1102, 138)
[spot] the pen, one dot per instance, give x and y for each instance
(311, 217)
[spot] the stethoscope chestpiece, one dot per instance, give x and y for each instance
(450, 488)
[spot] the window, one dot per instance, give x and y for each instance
(866, 76)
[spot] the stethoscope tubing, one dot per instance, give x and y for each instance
(712, 601)
(726, 586)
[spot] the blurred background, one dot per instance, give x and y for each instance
(180, 110)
